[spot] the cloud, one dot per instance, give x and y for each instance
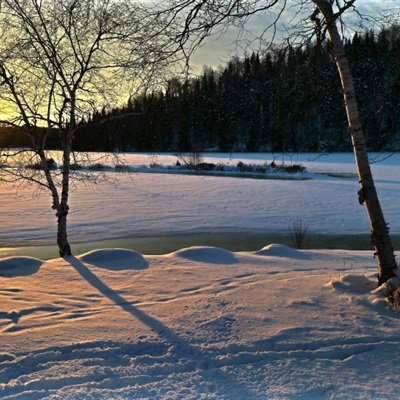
(218, 49)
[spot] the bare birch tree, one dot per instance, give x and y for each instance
(367, 193)
(200, 19)
(59, 61)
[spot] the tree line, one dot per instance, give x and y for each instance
(286, 99)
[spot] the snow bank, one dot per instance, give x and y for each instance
(279, 250)
(19, 266)
(210, 255)
(353, 284)
(115, 259)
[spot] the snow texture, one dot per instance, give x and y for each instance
(154, 204)
(201, 322)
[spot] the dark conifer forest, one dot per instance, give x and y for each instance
(283, 100)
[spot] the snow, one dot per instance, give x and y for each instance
(154, 204)
(201, 322)
(115, 259)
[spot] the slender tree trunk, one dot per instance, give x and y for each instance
(367, 194)
(62, 211)
(62, 239)
(61, 207)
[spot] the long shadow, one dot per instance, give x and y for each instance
(151, 322)
(164, 332)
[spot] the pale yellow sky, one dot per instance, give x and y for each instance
(218, 50)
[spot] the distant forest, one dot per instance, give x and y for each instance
(283, 100)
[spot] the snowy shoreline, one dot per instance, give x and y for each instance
(232, 241)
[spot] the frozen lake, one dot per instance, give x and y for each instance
(158, 208)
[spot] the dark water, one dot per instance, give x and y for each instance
(229, 241)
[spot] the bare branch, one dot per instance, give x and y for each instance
(60, 60)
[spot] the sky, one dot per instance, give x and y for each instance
(218, 50)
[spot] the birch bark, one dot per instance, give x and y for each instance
(367, 193)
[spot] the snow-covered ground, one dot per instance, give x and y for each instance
(201, 322)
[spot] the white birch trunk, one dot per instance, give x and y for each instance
(367, 194)
(62, 212)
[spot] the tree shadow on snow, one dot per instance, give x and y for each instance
(116, 298)
(182, 348)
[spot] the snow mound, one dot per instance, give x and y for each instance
(353, 284)
(115, 259)
(19, 266)
(280, 250)
(209, 255)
